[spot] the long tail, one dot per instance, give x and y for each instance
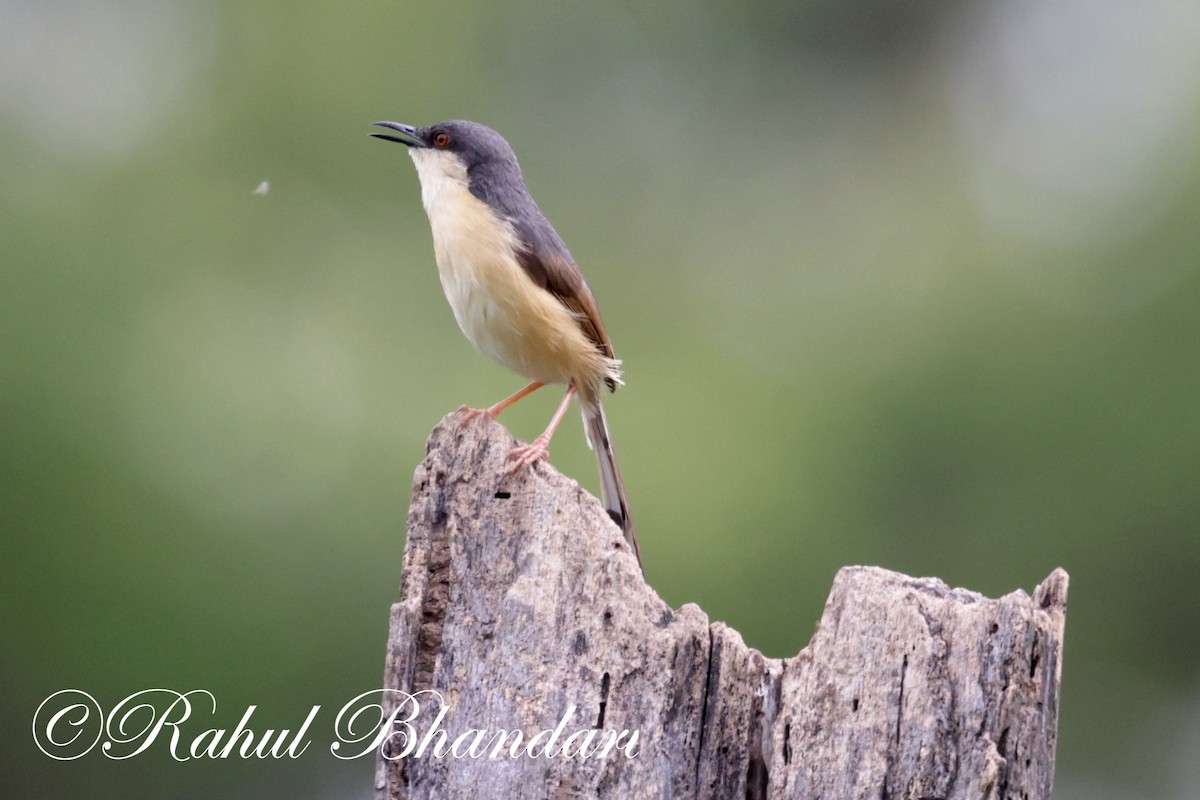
(612, 488)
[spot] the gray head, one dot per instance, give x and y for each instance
(476, 157)
(468, 152)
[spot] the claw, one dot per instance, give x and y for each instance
(469, 414)
(529, 454)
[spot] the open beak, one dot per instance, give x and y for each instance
(407, 130)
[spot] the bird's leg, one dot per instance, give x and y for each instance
(491, 412)
(539, 448)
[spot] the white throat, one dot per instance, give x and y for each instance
(443, 176)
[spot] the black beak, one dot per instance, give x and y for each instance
(408, 130)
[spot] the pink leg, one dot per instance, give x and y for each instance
(491, 412)
(539, 448)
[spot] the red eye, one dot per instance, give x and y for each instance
(441, 139)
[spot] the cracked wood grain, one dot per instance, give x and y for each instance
(520, 599)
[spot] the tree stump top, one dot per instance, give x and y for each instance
(521, 601)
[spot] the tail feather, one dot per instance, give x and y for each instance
(612, 488)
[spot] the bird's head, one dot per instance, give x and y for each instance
(462, 151)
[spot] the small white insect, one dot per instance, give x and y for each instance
(262, 189)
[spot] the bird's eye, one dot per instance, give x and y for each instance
(441, 139)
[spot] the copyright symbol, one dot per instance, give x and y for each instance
(61, 722)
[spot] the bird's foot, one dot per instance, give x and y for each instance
(469, 414)
(529, 454)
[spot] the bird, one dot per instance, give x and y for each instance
(515, 290)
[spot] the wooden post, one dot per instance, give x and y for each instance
(522, 607)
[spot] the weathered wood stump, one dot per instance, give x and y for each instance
(521, 602)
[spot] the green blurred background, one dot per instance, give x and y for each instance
(901, 283)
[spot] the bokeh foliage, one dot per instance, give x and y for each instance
(901, 283)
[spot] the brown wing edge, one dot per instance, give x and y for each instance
(563, 279)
